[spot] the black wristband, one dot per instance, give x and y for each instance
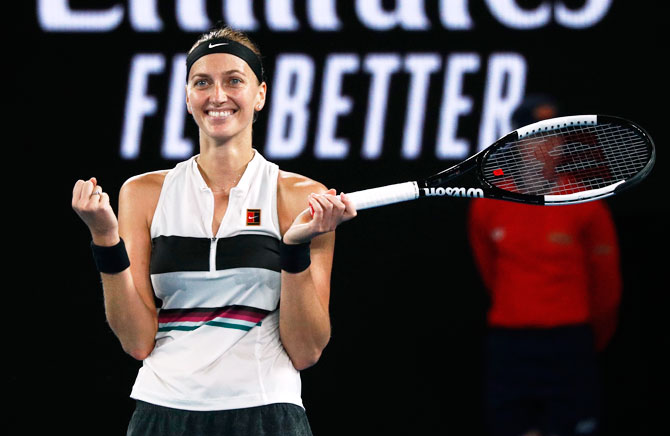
(294, 258)
(110, 260)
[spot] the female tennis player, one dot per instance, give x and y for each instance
(220, 239)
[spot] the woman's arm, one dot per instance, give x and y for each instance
(304, 321)
(128, 295)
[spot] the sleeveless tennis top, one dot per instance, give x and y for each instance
(217, 345)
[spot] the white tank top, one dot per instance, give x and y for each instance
(217, 345)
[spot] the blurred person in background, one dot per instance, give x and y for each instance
(554, 282)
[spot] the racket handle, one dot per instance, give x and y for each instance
(384, 195)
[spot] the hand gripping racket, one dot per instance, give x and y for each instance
(557, 161)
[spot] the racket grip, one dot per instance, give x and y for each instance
(384, 195)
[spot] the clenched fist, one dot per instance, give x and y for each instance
(93, 207)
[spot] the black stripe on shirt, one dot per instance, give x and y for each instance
(182, 253)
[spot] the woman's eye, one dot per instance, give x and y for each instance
(200, 82)
(235, 81)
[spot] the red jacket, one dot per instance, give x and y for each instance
(548, 266)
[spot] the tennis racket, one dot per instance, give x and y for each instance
(557, 161)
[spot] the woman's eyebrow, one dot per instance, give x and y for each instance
(226, 73)
(234, 71)
(223, 72)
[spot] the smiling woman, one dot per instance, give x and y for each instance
(222, 95)
(225, 83)
(220, 239)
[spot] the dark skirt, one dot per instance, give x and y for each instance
(271, 420)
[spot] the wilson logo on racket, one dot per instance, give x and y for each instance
(454, 192)
(585, 165)
(565, 160)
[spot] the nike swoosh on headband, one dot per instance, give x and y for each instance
(225, 45)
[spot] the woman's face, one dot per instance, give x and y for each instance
(222, 94)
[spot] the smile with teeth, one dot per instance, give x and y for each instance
(220, 114)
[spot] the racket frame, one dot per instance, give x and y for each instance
(439, 184)
(475, 164)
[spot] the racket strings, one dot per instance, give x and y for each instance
(571, 159)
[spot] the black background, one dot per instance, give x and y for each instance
(407, 304)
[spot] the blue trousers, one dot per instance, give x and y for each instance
(543, 379)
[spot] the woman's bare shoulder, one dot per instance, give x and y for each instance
(293, 184)
(141, 192)
(145, 183)
(293, 192)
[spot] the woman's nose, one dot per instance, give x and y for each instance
(219, 95)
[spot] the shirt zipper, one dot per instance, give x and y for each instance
(212, 254)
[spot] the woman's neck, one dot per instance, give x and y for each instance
(222, 165)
